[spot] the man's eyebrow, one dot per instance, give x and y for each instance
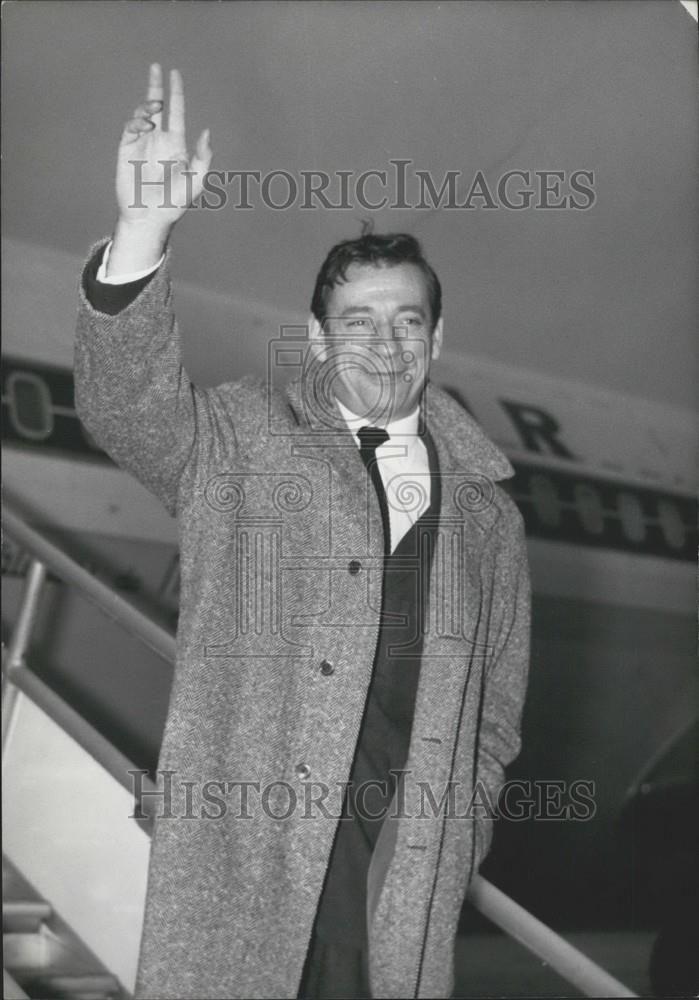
(351, 310)
(411, 308)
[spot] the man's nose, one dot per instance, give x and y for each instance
(386, 346)
(390, 332)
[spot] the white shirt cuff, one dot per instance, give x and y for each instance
(122, 279)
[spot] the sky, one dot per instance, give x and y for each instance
(604, 294)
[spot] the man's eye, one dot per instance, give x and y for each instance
(355, 322)
(409, 321)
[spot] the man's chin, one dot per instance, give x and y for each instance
(375, 406)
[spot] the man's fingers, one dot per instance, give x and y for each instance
(156, 92)
(148, 116)
(135, 128)
(139, 123)
(148, 109)
(203, 152)
(155, 83)
(201, 161)
(176, 111)
(144, 120)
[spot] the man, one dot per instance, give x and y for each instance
(353, 632)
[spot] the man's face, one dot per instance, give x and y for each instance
(377, 341)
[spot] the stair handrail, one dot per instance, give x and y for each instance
(537, 937)
(105, 597)
(569, 962)
(16, 677)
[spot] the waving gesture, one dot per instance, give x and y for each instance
(151, 194)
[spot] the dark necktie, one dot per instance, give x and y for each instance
(371, 438)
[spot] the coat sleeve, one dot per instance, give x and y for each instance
(505, 682)
(132, 392)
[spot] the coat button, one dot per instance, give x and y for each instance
(327, 668)
(354, 567)
(303, 770)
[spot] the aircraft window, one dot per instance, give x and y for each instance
(29, 402)
(588, 504)
(671, 524)
(545, 499)
(631, 514)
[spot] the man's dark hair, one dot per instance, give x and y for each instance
(379, 251)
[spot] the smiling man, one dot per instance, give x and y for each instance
(380, 295)
(354, 619)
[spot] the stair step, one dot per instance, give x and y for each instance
(43, 957)
(46, 967)
(11, 990)
(32, 952)
(86, 987)
(24, 916)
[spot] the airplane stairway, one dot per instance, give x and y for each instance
(43, 957)
(91, 863)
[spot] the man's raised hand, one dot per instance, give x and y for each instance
(152, 195)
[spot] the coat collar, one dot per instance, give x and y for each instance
(469, 463)
(458, 433)
(461, 444)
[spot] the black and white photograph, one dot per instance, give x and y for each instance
(350, 466)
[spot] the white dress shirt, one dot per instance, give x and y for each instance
(122, 279)
(403, 460)
(405, 470)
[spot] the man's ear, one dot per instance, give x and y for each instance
(315, 331)
(316, 340)
(315, 336)
(437, 339)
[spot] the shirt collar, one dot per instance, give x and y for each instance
(403, 427)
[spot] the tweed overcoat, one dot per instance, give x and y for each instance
(281, 553)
